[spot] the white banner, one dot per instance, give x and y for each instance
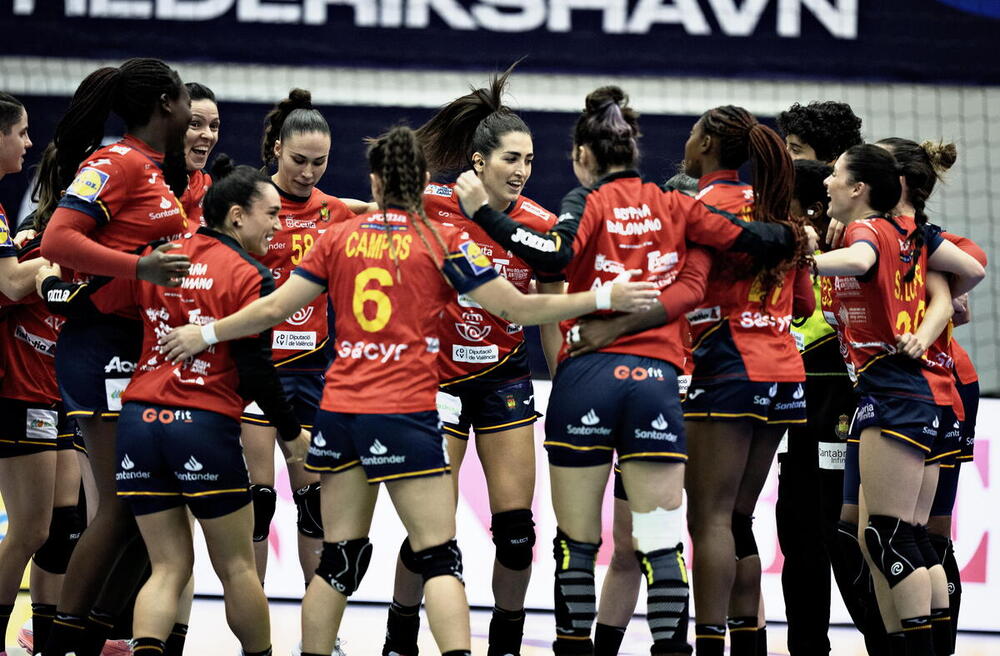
(975, 520)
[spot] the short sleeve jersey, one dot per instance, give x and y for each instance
(870, 311)
(737, 333)
(471, 338)
(194, 196)
(299, 344)
(223, 279)
(121, 187)
(28, 345)
(388, 309)
(627, 223)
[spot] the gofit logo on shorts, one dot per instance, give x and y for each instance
(164, 416)
(624, 372)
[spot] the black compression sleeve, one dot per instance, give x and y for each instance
(767, 242)
(259, 382)
(69, 299)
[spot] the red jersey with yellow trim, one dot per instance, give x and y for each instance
(471, 338)
(387, 318)
(737, 334)
(28, 344)
(627, 223)
(191, 200)
(299, 343)
(7, 248)
(870, 311)
(965, 371)
(122, 187)
(223, 279)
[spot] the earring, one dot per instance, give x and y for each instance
(810, 212)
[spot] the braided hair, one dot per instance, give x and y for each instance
(742, 138)
(133, 92)
(293, 115)
(610, 128)
(922, 165)
(398, 160)
(473, 123)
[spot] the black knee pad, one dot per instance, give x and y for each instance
(307, 506)
(407, 557)
(343, 564)
(573, 555)
(264, 500)
(64, 532)
(746, 544)
(442, 560)
(924, 545)
(892, 547)
(514, 536)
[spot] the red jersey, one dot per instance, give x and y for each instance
(191, 200)
(738, 334)
(299, 344)
(965, 371)
(472, 339)
(870, 311)
(28, 345)
(121, 187)
(388, 318)
(627, 223)
(7, 248)
(223, 279)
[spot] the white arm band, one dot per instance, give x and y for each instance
(208, 334)
(602, 297)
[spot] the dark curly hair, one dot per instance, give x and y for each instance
(829, 127)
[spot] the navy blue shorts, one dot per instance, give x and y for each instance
(744, 400)
(915, 423)
(29, 428)
(607, 402)
(970, 399)
(852, 473)
(303, 391)
(948, 445)
(94, 363)
(170, 457)
(486, 407)
(389, 447)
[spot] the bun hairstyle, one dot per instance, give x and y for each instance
(132, 91)
(741, 138)
(11, 110)
(398, 160)
(293, 115)
(473, 123)
(922, 165)
(231, 185)
(610, 128)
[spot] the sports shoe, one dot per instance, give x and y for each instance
(116, 648)
(297, 650)
(26, 640)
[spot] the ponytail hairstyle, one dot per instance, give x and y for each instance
(922, 165)
(398, 160)
(231, 185)
(473, 123)
(610, 128)
(11, 110)
(200, 92)
(133, 92)
(742, 138)
(293, 115)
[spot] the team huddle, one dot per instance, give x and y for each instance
(166, 324)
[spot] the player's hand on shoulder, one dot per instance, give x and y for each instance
(471, 192)
(182, 343)
(162, 268)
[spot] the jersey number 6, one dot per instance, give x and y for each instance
(362, 296)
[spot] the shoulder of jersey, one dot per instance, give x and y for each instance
(95, 172)
(530, 207)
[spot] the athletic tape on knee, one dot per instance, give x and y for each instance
(264, 500)
(64, 532)
(667, 598)
(923, 540)
(892, 547)
(658, 529)
(743, 539)
(575, 595)
(514, 537)
(441, 560)
(309, 514)
(343, 564)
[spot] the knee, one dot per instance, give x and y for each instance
(343, 564)
(264, 501)
(309, 512)
(892, 547)
(514, 537)
(743, 538)
(440, 560)
(63, 534)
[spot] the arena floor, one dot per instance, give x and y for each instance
(365, 623)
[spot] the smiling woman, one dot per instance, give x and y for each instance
(201, 137)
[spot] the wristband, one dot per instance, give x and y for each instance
(208, 334)
(602, 297)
